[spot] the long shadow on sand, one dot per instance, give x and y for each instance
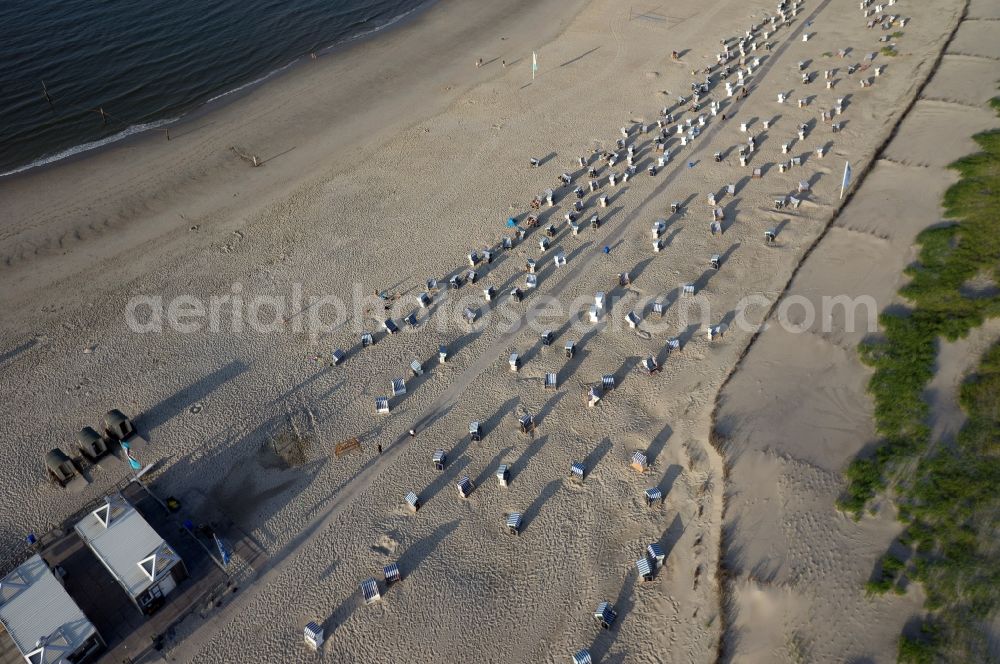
(490, 467)
(623, 604)
(595, 455)
(168, 408)
(421, 550)
(549, 406)
(671, 536)
(579, 57)
(518, 466)
(14, 352)
(452, 471)
(495, 420)
(670, 475)
(659, 441)
(536, 505)
(409, 563)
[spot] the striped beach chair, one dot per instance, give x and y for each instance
(313, 634)
(645, 569)
(464, 487)
(439, 459)
(370, 591)
(605, 615)
(514, 523)
(656, 555)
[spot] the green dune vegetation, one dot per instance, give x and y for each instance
(946, 493)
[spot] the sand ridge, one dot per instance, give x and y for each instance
(824, 615)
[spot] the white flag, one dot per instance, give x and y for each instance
(534, 64)
(847, 179)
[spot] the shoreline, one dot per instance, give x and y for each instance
(143, 130)
(131, 190)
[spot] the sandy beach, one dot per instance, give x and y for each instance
(383, 167)
(798, 564)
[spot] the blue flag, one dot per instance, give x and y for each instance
(224, 551)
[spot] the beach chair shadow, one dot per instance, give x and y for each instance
(668, 540)
(452, 471)
(743, 182)
(415, 554)
(495, 420)
(623, 603)
(595, 455)
(549, 406)
(729, 212)
(518, 465)
(625, 370)
(659, 441)
(687, 334)
(491, 467)
(670, 476)
(536, 505)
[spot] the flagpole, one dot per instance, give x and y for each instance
(846, 181)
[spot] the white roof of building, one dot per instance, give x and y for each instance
(127, 545)
(34, 608)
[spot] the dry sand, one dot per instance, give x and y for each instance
(797, 412)
(353, 201)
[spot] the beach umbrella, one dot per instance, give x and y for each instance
(511, 222)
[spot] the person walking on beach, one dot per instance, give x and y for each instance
(479, 63)
(413, 434)
(380, 448)
(503, 63)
